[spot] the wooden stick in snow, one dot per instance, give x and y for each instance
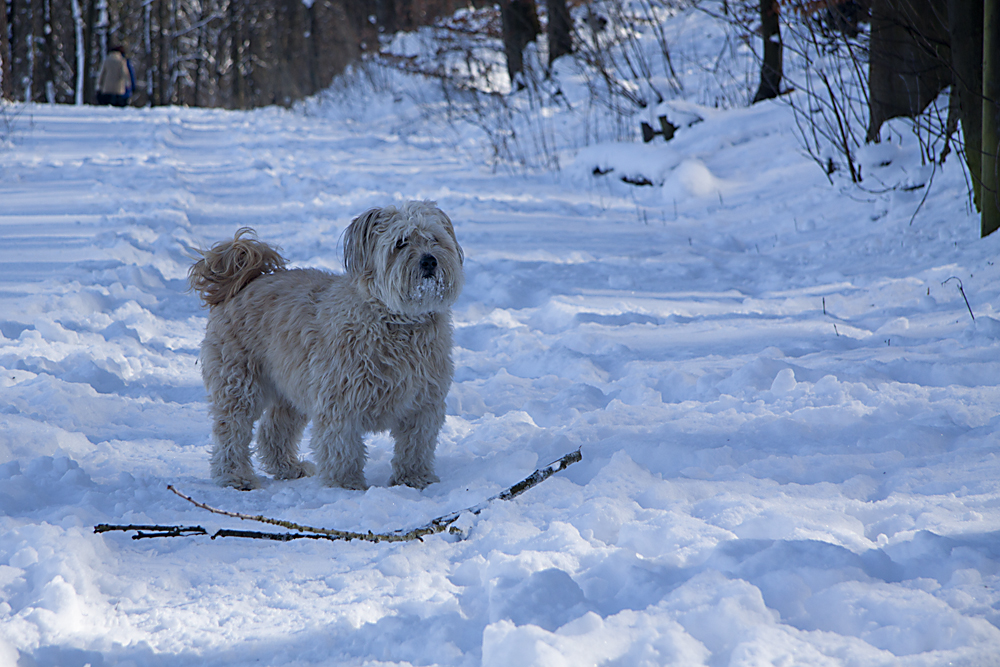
(438, 525)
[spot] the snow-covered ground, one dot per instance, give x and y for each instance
(787, 415)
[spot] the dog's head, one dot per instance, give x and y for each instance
(407, 258)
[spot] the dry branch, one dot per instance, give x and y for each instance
(438, 525)
(155, 531)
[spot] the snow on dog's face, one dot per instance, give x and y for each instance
(407, 258)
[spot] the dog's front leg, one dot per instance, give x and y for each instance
(278, 438)
(416, 438)
(340, 453)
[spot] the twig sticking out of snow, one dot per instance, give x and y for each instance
(962, 290)
(438, 525)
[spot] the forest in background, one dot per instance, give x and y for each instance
(861, 62)
(235, 54)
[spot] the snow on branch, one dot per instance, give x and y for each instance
(438, 525)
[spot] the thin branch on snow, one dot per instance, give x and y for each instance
(438, 525)
(156, 531)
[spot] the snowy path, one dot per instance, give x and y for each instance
(788, 422)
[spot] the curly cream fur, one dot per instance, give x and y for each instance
(228, 266)
(366, 351)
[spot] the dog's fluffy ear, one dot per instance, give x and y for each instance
(359, 236)
(446, 223)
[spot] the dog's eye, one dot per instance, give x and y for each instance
(401, 243)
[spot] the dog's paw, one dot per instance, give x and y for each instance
(296, 470)
(416, 480)
(354, 483)
(238, 482)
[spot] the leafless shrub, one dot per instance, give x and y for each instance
(827, 56)
(621, 64)
(464, 55)
(10, 114)
(830, 69)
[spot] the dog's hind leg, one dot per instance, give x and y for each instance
(416, 438)
(340, 454)
(278, 438)
(236, 403)
(232, 431)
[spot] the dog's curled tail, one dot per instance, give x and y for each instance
(229, 266)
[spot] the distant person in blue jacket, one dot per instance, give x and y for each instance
(116, 80)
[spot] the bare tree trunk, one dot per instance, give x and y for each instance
(101, 29)
(26, 29)
(199, 64)
(966, 36)
(520, 27)
(89, 92)
(909, 63)
(312, 44)
(238, 94)
(559, 30)
(49, 57)
(771, 67)
(36, 56)
(175, 66)
(79, 52)
(147, 43)
(293, 61)
(162, 53)
(6, 80)
(990, 187)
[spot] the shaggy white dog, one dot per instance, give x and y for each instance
(356, 353)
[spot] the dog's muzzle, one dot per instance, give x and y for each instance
(428, 263)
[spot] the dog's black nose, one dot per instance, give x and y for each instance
(427, 264)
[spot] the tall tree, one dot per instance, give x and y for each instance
(910, 60)
(990, 185)
(559, 30)
(771, 66)
(80, 58)
(966, 36)
(6, 82)
(162, 51)
(89, 75)
(49, 45)
(520, 25)
(22, 37)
